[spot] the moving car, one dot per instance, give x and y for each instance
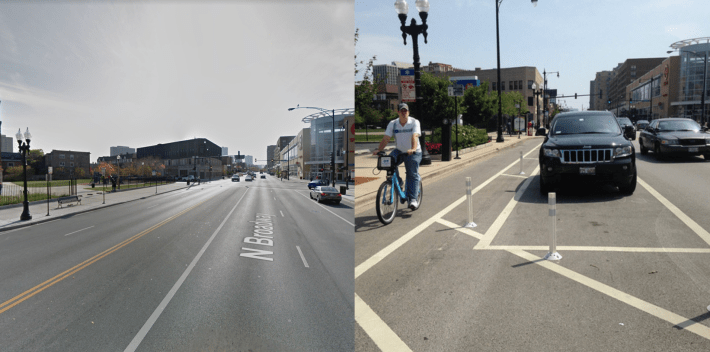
(587, 146)
(316, 183)
(627, 127)
(326, 194)
(235, 178)
(247, 178)
(679, 136)
(641, 125)
(263, 176)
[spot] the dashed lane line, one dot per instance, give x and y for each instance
(305, 263)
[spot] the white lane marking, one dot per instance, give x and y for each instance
(465, 230)
(78, 231)
(164, 303)
(602, 249)
(637, 303)
(377, 257)
(521, 176)
(341, 218)
(302, 257)
(681, 215)
(282, 214)
(152, 206)
(503, 216)
(379, 332)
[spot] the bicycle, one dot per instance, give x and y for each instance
(390, 190)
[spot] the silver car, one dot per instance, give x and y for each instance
(326, 194)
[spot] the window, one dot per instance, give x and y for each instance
(61, 163)
(71, 164)
(530, 84)
(10, 164)
(61, 156)
(510, 85)
(502, 86)
(494, 85)
(520, 84)
(515, 85)
(71, 157)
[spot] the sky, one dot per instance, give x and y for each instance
(85, 77)
(575, 38)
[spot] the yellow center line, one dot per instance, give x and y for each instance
(59, 277)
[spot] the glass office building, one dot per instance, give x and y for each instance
(693, 70)
(327, 137)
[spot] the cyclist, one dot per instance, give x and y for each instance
(406, 130)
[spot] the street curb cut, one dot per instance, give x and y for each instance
(368, 199)
(18, 226)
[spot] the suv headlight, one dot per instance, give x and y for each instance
(553, 153)
(620, 152)
(669, 141)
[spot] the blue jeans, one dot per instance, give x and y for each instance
(411, 165)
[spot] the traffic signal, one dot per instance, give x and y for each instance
(575, 95)
(608, 101)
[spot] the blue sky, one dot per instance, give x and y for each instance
(85, 76)
(576, 38)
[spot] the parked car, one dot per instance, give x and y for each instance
(326, 194)
(235, 178)
(641, 125)
(587, 146)
(316, 183)
(678, 136)
(190, 178)
(627, 127)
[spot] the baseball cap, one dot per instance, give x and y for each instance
(403, 106)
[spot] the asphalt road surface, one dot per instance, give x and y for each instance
(634, 273)
(231, 266)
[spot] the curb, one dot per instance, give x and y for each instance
(365, 199)
(17, 226)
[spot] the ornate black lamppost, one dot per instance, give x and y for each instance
(545, 97)
(537, 92)
(415, 30)
(24, 148)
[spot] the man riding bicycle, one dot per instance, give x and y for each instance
(406, 130)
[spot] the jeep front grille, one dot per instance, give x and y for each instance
(582, 156)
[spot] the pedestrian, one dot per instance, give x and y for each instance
(113, 184)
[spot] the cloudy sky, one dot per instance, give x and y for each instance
(85, 76)
(577, 38)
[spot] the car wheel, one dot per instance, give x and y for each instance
(657, 150)
(310, 195)
(628, 189)
(544, 186)
(644, 150)
(319, 200)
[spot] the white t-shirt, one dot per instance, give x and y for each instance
(403, 134)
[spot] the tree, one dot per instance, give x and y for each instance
(480, 105)
(365, 91)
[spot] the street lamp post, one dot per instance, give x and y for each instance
(537, 92)
(544, 96)
(118, 169)
(415, 30)
(24, 148)
(500, 97)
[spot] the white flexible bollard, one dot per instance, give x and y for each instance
(521, 163)
(470, 203)
(552, 254)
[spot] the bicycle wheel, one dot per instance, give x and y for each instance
(419, 196)
(386, 204)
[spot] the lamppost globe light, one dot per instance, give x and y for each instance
(422, 5)
(401, 7)
(534, 2)
(18, 136)
(28, 136)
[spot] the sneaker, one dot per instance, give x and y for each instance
(413, 204)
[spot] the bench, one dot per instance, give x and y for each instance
(62, 200)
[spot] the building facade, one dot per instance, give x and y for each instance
(7, 144)
(189, 157)
(121, 150)
(601, 83)
(270, 161)
(624, 75)
(303, 153)
(66, 163)
(693, 77)
(327, 144)
(652, 94)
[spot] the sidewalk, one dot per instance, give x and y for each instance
(365, 162)
(91, 199)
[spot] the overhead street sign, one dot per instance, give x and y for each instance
(456, 90)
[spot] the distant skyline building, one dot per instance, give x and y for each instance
(225, 151)
(8, 144)
(249, 160)
(118, 150)
(270, 156)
